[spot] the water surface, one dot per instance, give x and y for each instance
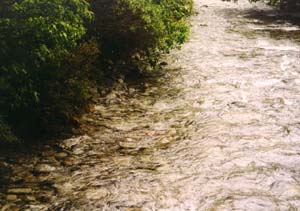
(219, 131)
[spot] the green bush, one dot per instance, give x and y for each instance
(37, 37)
(49, 54)
(68, 90)
(174, 17)
(140, 29)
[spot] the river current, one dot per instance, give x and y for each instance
(220, 130)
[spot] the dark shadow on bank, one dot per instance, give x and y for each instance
(26, 165)
(277, 24)
(268, 21)
(274, 16)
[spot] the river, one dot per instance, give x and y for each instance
(220, 130)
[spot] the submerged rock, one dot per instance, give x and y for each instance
(96, 194)
(20, 190)
(37, 208)
(11, 197)
(44, 168)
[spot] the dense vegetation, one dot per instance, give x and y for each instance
(54, 54)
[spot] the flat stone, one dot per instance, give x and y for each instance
(128, 145)
(131, 90)
(30, 198)
(78, 151)
(37, 208)
(48, 153)
(134, 209)
(163, 63)
(17, 179)
(99, 108)
(111, 96)
(11, 197)
(45, 168)
(20, 190)
(97, 194)
(61, 155)
(6, 207)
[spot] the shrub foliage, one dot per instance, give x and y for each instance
(36, 37)
(53, 52)
(139, 29)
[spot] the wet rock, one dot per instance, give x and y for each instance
(30, 198)
(172, 132)
(46, 183)
(48, 152)
(20, 190)
(69, 144)
(99, 108)
(52, 160)
(11, 197)
(134, 209)
(163, 63)
(78, 151)
(36, 208)
(164, 143)
(238, 104)
(111, 96)
(6, 207)
(131, 90)
(30, 178)
(17, 179)
(88, 119)
(128, 145)
(62, 205)
(61, 155)
(44, 168)
(72, 162)
(97, 194)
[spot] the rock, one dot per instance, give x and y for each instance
(99, 108)
(20, 190)
(163, 63)
(51, 160)
(78, 151)
(131, 90)
(128, 145)
(61, 155)
(6, 208)
(172, 132)
(44, 168)
(111, 96)
(30, 198)
(70, 143)
(17, 179)
(30, 178)
(36, 208)
(47, 153)
(121, 81)
(97, 194)
(134, 209)
(164, 141)
(11, 197)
